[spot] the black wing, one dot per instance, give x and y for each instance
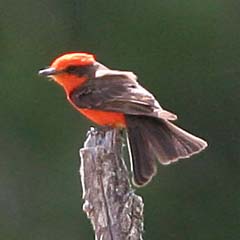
(118, 93)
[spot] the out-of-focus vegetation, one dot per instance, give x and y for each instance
(186, 52)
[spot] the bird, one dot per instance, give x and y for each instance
(115, 99)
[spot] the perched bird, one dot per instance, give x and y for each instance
(115, 98)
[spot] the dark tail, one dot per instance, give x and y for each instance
(153, 138)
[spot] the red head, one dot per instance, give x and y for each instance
(66, 69)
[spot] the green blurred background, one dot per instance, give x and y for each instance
(186, 52)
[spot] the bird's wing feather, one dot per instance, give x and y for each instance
(118, 92)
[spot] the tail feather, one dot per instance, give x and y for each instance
(153, 138)
(143, 164)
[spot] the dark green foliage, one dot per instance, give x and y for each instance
(186, 52)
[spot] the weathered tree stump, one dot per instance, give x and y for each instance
(115, 211)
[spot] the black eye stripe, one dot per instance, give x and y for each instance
(87, 70)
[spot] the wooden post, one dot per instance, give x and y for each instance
(115, 211)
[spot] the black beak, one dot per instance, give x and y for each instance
(47, 71)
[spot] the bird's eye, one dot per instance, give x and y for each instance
(72, 69)
(79, 70)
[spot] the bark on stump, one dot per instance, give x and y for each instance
(115, 211)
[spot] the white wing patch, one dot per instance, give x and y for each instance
(103, 71)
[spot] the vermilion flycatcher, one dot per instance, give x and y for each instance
(115, 98)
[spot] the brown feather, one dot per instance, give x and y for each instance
(154, 139)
